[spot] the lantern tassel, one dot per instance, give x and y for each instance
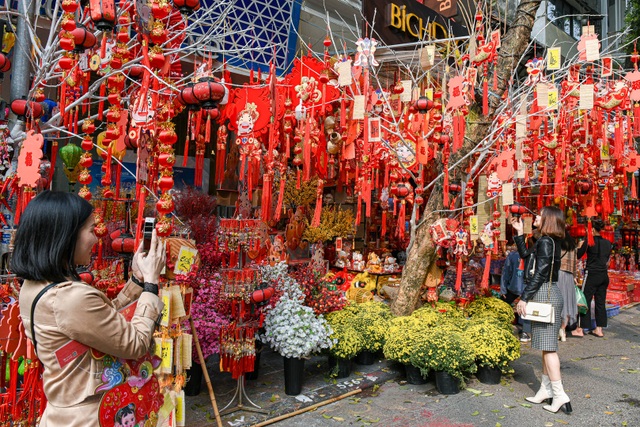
(402, 214)
(278, 212)
(590, 240)
(459, 275)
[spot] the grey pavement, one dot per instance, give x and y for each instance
(600, 375)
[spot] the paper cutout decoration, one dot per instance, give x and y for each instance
(590, 42)
(457, 93)
(29, 160)
(634, 81)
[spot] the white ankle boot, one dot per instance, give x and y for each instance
(560, 398)
(544, 393)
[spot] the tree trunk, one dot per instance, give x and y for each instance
(423, 250)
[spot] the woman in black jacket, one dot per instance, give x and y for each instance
(541, 286)
(596, 281)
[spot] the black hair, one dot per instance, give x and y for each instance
(568, 243)
(46, 237)
(130, 409)
(598, 224)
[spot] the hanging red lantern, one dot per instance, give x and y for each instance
(66, 41)
(85, 161)
(160, 9)
(187, 98)
(23, 108)
(166, 159)
(156, 57)
(84, 177)
(423, 104)
(88, 126)
(165, 204)
(187, 7)
(517, 210)
(87, 143)
(69, 6)
(168, 134)
(83, 39)
(85, 193)
(68, 22)
(158, 33)
(136, 72)
(208, 92)
(165, 183)
(103, 14)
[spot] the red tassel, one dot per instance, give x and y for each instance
(636, 119)
(634, 188)
(266, 197)
(401, 220)
(459, 275)
(139, 223)
(103, 92)
(487, 270)
(359, 210)
(445, 186)
(590, 240)
(280, 199)
(485, 97)
(383, 230)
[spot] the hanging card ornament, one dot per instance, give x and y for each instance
(588, 47)
(29, 160)
(366, 48)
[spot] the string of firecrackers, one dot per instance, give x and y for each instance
(334, 222)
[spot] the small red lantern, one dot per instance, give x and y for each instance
(188, 98)
(87, 143)
(455, 189)
(517, 210)
(164, 227)
(166, 160)
(423, 105)
(23, 108)
(165, 183)
(208, 92)
(160, 10)
(84, 177)
(165, 204)
(85, 161)
(187, 7)
(136, 72)
(83, 39)
(168, 135)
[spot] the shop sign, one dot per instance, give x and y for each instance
(404, 21)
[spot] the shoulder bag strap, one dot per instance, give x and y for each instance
(553, 260)
(33, 310)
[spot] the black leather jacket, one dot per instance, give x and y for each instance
(542, 253)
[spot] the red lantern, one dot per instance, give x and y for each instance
(136, 72)
(83, 39)
(165, 183)
(66, 41)
(208, 92)
(164, 227)
(168, 135)
(84, 177)
(23, 108)
(87, 143)
(165, 204)
(517, 209)
(187, 6)
(69, 6)
(85, 161)
(160, 10)
(423, 104)
(103, 14)
(166, 160)
(455, 189)
(187, 98)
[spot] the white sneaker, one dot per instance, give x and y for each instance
(525, 337)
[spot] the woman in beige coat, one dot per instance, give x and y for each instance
(55, 234)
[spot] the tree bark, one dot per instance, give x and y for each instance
(423, 249)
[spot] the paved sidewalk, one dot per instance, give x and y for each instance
(601, 375)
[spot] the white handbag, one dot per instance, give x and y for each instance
(542, 312)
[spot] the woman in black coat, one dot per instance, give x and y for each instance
(541, 286)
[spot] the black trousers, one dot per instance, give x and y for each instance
(595, 288)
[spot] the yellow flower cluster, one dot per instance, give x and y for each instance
(445, 350)
(371, 321)
(491, 306)
(494, 345)
(404, 335)
(334, 222)
(303, 196)
(349, 341)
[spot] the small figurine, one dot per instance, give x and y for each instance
(373, 263)
(343, 259)
(390, 265)
(357, 262)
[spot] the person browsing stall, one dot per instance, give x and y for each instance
(541, 286)
(61, 314)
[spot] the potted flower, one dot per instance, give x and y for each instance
(347, 342)
(495, 346)
(371, 321)
(404, 335)
(493, 307)
(448, 353)
(294, 331)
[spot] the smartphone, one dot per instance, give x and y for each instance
(147, 231)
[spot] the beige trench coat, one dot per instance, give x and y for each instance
(77, 311)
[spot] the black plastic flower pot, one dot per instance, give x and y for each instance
(488, 375)
(293, 375)
(194, 380)
(414, 375)
(446, 383)
(341, 368)
(365, 358)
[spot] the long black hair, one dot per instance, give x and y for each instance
(46, 237)
(568, 243)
